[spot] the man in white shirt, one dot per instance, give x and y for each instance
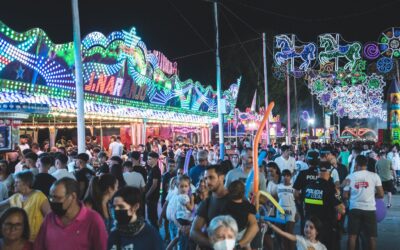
(285, 161)
(395, 158)
(61, 166)
(131, 177)
(23, 140)
(362, 188)
(115, 148)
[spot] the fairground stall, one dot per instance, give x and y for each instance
(130, 90)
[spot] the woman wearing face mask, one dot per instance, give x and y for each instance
(222, 232)
(100, 192)
(33, 201)
(132, 231)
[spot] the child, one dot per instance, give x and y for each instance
(286, 201)
(185, 201)
(310, 239)
(240, 209)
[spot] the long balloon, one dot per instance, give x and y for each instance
(255, 145)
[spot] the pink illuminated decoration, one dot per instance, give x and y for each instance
(185, 130)
(166, 66)
(358, 132)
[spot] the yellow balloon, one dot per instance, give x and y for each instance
(272, 199)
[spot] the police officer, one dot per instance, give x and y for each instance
(304, 178)
(321, 200)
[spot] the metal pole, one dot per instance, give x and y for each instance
(266, 83)
(219, 96)
(296, 111)
(80, 108)
(288, 105)
(313, 115)
(338, 127)
(323, 120)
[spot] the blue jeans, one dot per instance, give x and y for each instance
(173, 230)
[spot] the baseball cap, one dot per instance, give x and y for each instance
(324, 166)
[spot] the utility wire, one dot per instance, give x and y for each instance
(240, 19)
(190, 25)
(212, 50)
(247, 24)
(240, 42)
(308, 20)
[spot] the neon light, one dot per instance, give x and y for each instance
(118, 66)
(287, 51)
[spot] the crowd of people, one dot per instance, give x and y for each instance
(115, 198)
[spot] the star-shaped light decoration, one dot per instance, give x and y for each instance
(20, 73)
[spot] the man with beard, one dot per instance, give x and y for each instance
(215, 205)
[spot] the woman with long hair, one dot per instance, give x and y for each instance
(99, 194)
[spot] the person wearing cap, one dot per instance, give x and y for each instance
(321, 200)
(84, 174)
(304, 178)
(153, 188)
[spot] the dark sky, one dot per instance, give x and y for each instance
(184, 29)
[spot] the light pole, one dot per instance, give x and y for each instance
(219, 96)
(80, 107)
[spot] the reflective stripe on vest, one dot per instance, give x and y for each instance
(313, 201)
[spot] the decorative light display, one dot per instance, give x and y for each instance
(384, 64)
(389, 42)
(67, 108)
(287, 51)
(371, 51)
(350, 93)
(117, 70)
(333, 50)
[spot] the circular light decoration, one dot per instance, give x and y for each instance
(384, 65)
(297, 73)
(371, 51)
(279, 71)
(389, 42)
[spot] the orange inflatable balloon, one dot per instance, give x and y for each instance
(255, 146)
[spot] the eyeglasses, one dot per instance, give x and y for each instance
(13, 226)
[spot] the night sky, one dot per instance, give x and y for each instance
(184, 29)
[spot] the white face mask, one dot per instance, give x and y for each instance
(227, 244)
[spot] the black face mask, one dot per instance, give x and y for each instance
(122, 217)
(57, 208)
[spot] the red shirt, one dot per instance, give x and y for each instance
(86, 232)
